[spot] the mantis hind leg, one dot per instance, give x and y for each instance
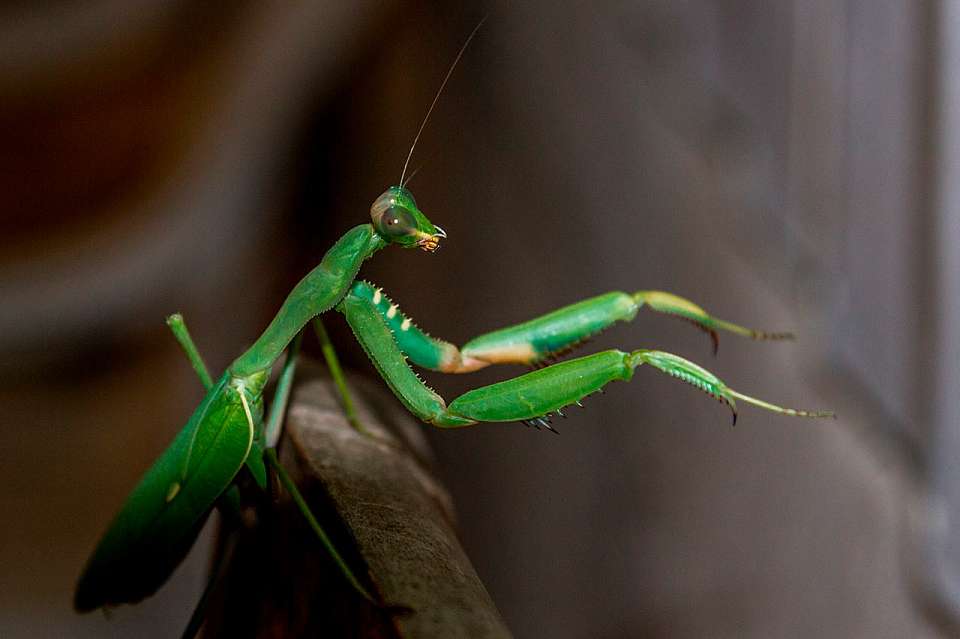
(291, 486)
(278, 409)
(541, 341)
(228, 502)
(281, 396)
(269, 455)
(339, 379)
(530, 397)
(179, 328)
(221, 560)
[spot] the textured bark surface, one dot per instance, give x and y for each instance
(378, 499)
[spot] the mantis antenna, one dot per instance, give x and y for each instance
(411, 176)
(437, 97)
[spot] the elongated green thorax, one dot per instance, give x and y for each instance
(320, 290)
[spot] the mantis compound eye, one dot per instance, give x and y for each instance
(396, 222)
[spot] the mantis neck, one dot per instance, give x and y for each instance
(318, 291)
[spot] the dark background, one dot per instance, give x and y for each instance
(781, 163)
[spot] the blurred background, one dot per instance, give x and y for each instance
(790, 165)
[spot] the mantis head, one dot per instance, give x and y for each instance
(397, 220)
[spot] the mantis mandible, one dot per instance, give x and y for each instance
(228, 434)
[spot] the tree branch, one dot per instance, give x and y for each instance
(387, 514)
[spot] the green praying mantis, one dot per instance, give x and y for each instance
(228, 436)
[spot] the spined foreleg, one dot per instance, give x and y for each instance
(531, 396)
(549, 390)
(540, 341)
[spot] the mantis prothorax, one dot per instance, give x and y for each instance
(227, 432)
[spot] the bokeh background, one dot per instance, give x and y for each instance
(788, 164)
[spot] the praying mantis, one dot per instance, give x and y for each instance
(229, 435)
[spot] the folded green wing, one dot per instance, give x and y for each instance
(161, 518)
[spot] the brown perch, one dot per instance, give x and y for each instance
(388, 515)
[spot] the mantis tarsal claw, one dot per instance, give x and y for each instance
(671, 304)
(543, 421)
(706, 381)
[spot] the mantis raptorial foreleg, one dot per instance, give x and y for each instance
(530, 397)
(540, 341)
